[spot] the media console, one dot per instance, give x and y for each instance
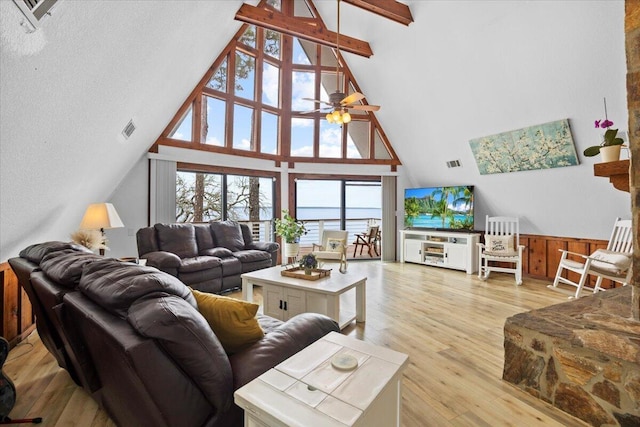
(455, 250)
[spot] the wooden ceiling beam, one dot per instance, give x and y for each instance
(393, 10)
(304, 29)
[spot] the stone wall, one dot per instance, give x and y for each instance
(581, 356)
(632, 37)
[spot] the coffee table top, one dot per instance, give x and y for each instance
(336, 283)
(306, 389)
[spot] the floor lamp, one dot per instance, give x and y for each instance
(100, 216)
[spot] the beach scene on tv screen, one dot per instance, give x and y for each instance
(439, 207)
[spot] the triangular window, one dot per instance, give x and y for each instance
(182, 130)
(219, 79)
(258, 99)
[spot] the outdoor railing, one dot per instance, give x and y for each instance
(262, 230)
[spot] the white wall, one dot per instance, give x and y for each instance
(68, 89)
(130, 200)
(478, 68)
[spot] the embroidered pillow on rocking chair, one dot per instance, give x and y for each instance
(500, 245)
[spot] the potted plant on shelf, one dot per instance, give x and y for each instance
(290, 229)
(611, 144)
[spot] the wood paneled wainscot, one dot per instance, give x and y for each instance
(542, 255)
(17, 316)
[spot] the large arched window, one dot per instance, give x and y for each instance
(252, 102)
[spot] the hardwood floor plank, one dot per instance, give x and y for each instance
(449, 323)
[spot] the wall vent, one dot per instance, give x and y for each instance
(453, 164)
(128, 129)
(35, 10)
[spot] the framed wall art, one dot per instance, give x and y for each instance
(545, 146)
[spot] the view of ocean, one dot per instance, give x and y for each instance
(307, 213)
(357, 220)
(315, 213)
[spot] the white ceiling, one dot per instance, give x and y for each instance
(463, 69)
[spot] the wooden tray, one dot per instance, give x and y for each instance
(298, 273)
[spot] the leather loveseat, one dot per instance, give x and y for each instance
(209, 257)
(139, 346)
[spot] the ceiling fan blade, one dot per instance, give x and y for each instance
(365, 107)
(313, 111)
(319, 101)
(354, 97)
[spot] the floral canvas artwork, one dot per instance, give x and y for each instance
(544, 146)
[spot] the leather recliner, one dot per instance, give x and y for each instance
(146, 354)
(208, 257)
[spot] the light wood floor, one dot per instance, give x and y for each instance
(449, 323)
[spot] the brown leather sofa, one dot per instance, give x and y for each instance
(209, 257)
(45, 297)
(139, 346)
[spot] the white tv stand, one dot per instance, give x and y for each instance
(456, 250)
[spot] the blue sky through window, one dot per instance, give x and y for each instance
(242, 127)
(269, 141)
(215, 122)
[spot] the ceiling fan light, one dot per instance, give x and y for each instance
(346, 117)
(336, 115)
(329, 117)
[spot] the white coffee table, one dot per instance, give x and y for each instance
(284, 297)
(306, 390)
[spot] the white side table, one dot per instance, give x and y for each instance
(306, 390)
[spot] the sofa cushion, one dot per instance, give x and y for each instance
(65, 267)
(268, 323)
(231, 266)
(35, 253)
(115, 285)
(232, 320)
(217, 252)
(611, 261)
(227, 234)
(204, 238)
(252, 255)
(179, 239)
(188, 339)
(146, 240)
(190, 265)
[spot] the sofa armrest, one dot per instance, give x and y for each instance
(162, 260)
(264, 246)
(278, 345)
(270, 247)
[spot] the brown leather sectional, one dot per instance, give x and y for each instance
(132, 337)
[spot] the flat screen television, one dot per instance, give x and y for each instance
(440, 208)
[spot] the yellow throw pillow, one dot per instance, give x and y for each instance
(233, 321)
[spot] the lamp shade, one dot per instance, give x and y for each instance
(100, 216)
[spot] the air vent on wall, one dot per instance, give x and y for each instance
(128, 129)
(35, 10)
(453, 164)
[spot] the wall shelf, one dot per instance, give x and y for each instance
(618, 173)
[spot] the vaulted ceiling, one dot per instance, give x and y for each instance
(461, 70)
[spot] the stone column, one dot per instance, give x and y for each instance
(632, 32)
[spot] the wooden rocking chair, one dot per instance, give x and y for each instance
(501, 246)
(613, 263)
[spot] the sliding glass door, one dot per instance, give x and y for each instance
(337, 205)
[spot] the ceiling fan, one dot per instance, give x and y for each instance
(339, 102)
